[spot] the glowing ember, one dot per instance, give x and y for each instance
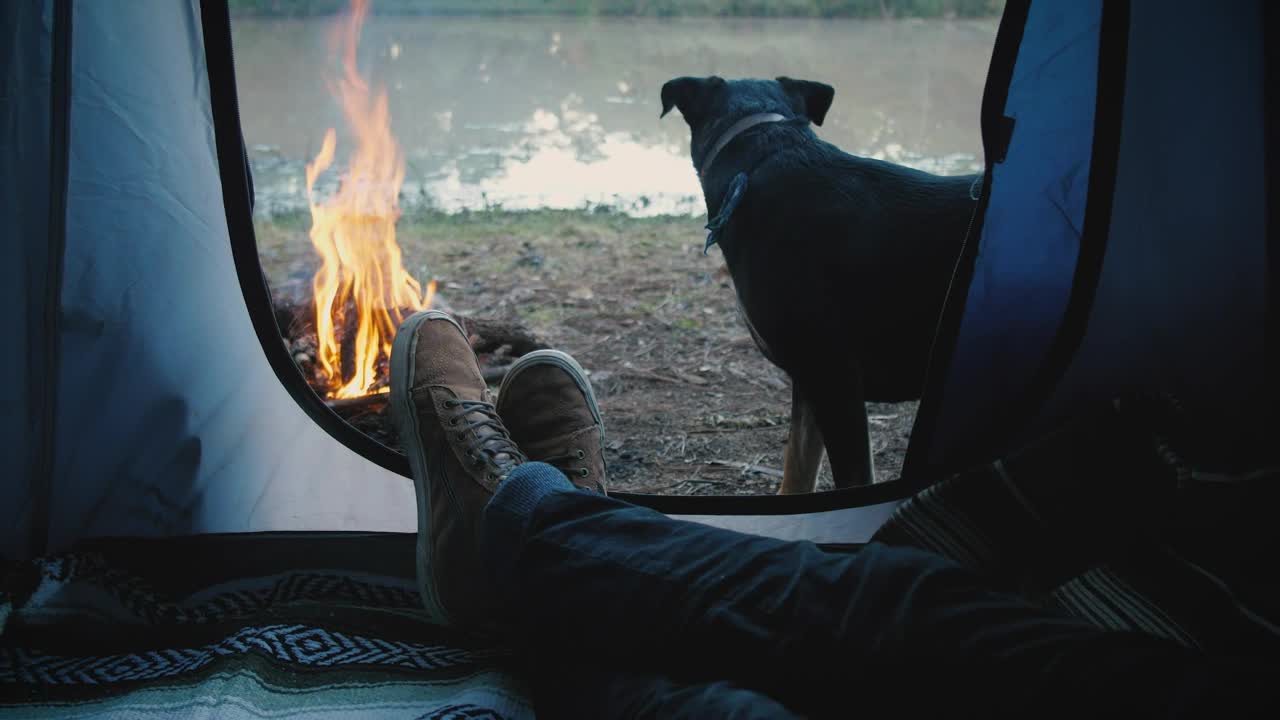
(362, 279)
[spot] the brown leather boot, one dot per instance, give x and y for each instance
(546, 402)
(458, 451)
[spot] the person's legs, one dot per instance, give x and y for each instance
(547, 404)
(588, 576)
(584, 578)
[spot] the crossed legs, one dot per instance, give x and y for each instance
(627, 612)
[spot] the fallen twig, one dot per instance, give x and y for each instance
(703, 481)
(746, 468)
(691, 378)
(709, 430)
(583, 351)
(650, 375)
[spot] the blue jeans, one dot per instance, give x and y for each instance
(630, 613)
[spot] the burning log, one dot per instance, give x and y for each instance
(496, 344)
(500, 338)
(364, 402)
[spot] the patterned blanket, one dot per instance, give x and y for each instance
(1098, 521)
(249, 626)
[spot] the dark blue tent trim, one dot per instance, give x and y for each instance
(916, 470)
(59, 170)
(1271, 140)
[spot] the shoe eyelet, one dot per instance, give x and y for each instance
(453, 422)
(581, 454)
(582, 472)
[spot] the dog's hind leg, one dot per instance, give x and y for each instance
(804, 447)
(842, 415)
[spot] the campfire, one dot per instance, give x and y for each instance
(362, 290)
(341, 333)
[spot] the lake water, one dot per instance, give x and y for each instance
(563, 112)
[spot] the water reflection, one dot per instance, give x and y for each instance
(559, 113)
(565, 159)
(552, 170)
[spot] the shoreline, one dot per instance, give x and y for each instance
(725, 9)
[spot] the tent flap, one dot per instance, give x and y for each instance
(1122, 247)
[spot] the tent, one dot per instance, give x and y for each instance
(153, 397)
(1125, 239)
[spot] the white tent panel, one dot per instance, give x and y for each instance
(169, 419)
(843, 526)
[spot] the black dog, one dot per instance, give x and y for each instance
(841, 264)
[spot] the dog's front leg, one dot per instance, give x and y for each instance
(804, 447)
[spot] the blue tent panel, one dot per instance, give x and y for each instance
(1030, 236)
(1122, 243)
(1180, 302)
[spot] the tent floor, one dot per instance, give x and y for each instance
(305, 624)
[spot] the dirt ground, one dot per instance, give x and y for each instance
(690, 405)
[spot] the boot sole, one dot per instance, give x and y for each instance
(565, 362)
(405, 417)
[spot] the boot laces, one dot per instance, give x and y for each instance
(473, 416)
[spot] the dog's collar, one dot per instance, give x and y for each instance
(734, 131)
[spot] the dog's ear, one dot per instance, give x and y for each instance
(689, 94)
(809, 98)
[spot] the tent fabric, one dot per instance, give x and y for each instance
(168, 420)
(1181, 297)
(26, 106)
(1121, 244)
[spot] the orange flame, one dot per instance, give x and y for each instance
(354, 232)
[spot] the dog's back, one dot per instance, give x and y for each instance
(849, 255)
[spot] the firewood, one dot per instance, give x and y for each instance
(488, 335)
(495, 343)
(350, 405)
